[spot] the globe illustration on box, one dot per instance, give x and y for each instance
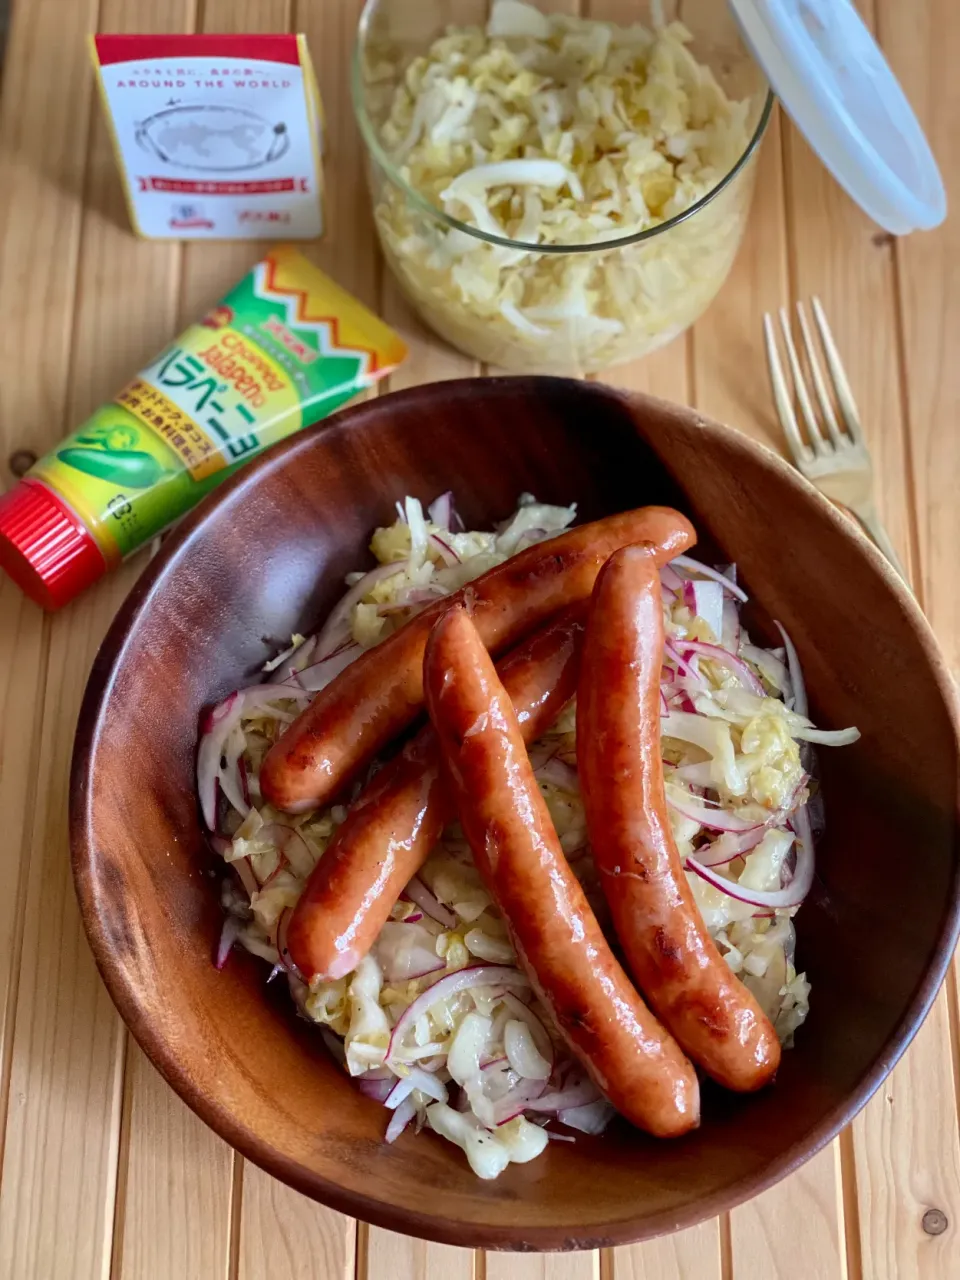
(212, 139)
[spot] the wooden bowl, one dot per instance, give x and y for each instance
(265, 556)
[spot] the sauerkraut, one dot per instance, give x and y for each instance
(439, 1023)
(552, 131)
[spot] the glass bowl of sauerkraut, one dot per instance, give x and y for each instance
(557, 193)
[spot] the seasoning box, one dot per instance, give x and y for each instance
(217, 137)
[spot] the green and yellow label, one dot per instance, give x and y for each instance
(284, 349)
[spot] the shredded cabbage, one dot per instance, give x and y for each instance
(731, 757)
(552, 130)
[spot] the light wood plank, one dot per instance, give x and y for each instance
(42, 158)
(385, 1255)
(174, 1215)
(730, 374)
(795, 1224)
(907, 1162)
(285, 1236)
(837, 253)
(543, 1266)
(693, 1254)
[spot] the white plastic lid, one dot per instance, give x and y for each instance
(831, 77)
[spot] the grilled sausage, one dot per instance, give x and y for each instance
(380, 693)
(668, 950)
(396, 820)
(630, 1056)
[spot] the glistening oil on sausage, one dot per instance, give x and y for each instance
(671, 955)
(380, 693)
(283, 349)
(630, 1056)
(397, 819)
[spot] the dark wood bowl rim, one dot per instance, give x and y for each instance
(249, 1143)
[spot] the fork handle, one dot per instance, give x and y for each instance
(867, 515)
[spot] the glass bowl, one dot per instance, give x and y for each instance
(530, 306)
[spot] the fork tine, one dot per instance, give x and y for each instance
(781, 395)
(800, 386)
(820, 386)
(848, 406)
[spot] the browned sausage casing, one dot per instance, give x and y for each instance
(669, 952)
(381, 692)
(396, 820)
(630, 1056)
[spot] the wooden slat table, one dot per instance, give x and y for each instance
(105, 1171)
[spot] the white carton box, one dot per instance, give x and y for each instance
(218, 137)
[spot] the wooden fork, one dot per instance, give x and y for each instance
(837, 461)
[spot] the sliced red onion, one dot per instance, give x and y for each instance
(479, 975)
(445, 551)
(578, 1093)
(716, 654)
(418, 892)
(400, 1119)
(705, 601)
(670, 579)
(319, 674)
(376, 1090)
(415, 1079)
(729, 846)
(694, 566)
(799, 689)
(591, 1118)
(678, 661)
(293, 660)
(232, 928)
(337, 627)
(789, 896)
(517, 1101)
(441, 511)
(560, 1137)
(714, 819)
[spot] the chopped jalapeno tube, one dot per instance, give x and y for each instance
(284, 349)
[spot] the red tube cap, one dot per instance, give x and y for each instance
(44, 548)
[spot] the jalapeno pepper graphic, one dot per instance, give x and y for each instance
(132, 468)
